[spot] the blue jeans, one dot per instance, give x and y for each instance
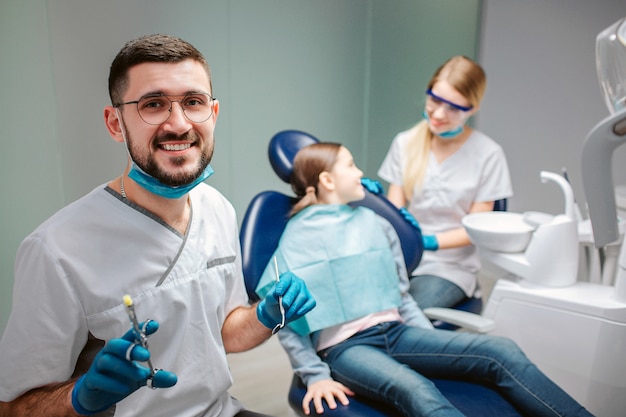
(434, 291)
(392, 362)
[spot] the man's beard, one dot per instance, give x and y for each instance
(150, 166)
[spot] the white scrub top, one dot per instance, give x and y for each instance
(72, 272)
(476, 172)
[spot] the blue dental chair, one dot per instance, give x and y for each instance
(262, 226)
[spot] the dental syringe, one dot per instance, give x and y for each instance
(140, 332)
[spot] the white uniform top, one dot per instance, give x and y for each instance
(476, 172)
(72, 272)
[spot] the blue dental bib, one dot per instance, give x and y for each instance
(343, 255)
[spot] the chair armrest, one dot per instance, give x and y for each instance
(469, 321)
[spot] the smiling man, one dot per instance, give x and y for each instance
(157, 233)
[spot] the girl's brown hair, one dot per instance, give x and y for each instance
(308, 164)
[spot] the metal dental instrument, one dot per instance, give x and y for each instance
(280, 302)
(140, 333)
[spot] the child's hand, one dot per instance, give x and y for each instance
(327, 390)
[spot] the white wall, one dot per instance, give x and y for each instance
(543, 95)
(407, 48)
(30, 169)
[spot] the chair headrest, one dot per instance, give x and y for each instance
(283, 148)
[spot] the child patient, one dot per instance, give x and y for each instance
(367, 334)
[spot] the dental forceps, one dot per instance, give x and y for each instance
(280, 302)
(140, 334)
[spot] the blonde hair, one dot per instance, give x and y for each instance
(466, 77)
(308, 164)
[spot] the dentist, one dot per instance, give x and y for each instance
(441, 170)
(157, 233)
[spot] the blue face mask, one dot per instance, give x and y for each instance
(448, 134)
(155, 186)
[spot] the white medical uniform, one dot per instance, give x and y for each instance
(72, 272)
(476, 172)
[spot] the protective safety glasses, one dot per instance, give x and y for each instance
(453, 110)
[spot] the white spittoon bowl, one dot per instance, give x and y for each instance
(499, 231)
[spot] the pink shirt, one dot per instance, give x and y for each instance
(337, 334)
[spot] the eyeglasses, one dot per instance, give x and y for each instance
(433, 102)
(156, 109)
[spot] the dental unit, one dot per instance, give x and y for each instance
(574, 330)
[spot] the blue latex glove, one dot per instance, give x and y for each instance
(112, 376)
(372, 186)
(409, 218)
(296, 301)
(430, 242)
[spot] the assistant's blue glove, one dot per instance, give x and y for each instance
(296, 302)
(409, 218)
(372, 186)
(430, 242)
(114, 375)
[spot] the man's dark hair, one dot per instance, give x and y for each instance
(152, 48)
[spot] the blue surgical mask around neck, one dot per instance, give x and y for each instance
(448, 134)
(155, 186)
(149, 183)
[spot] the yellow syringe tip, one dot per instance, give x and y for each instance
(128, 301)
